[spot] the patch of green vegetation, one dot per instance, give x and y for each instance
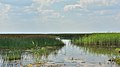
(108, 39)
(27, 42)
(101, 43)
(12, 46)
(11, 55)
(38, 52)
(117, 49)
(117, 60)
(44, 51)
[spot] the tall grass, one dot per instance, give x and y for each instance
(27, 42)
(108, 39)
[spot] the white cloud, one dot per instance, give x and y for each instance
(48, 14)
(41, 6)
(87, 3)
(43, 9)
(70, 7)
(47, 11)
(4, 10)
(42, 3)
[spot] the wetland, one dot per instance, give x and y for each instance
(59, 51)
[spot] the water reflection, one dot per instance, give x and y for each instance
(69, 55)
(20, 58)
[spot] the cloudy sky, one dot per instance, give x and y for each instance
(59, 15)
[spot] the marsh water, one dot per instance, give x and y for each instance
(69, 55)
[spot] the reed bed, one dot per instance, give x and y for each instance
(27, 42)
(11, 54)
(12, 46)
(107, 39)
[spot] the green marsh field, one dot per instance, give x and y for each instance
(60, 50)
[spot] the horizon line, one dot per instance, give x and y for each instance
(53, 32)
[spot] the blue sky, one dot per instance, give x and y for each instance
(59, 15)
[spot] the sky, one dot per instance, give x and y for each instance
(59, 16)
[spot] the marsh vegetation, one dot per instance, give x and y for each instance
(27, 41)
(107, 39)
(96, 50)
(102, 43)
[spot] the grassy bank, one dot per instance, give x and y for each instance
(25, 42)
(108, 39)
(101, 43)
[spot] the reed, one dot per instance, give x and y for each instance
(38, 52)
(11, 55)
(108, 39)
(27, 42)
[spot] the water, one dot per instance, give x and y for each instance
(69, 55)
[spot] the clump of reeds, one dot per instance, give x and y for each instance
(11, 55)
(108, 39)
(27, 42)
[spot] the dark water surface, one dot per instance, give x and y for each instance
(69, 55)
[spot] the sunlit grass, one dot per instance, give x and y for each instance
(108, 39)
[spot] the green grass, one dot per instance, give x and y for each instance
(27, 42)
(12, 46)
(108, 39)
(11, 55)
(45, 51)
(117, 60)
